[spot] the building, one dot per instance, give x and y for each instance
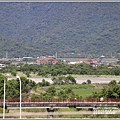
(108, 61)
(47, 60)
(88, 61)
(2, 65)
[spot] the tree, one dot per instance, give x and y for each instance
(55, 80)
(88, 81)
(13, 73)
(71, 79)
(112, 82)
(62, 94)
(2, 85)
(27, 73)
(83, 83)
(52, 91)
(110, 92)
(34, 96)
(43, 83)
(115, 95)
(12, 89)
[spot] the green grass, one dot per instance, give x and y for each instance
(84, 90)
(85, 93)
(77, 86)
(6, 110)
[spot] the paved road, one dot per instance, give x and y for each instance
(81, 80)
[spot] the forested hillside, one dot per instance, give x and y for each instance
(40, 28)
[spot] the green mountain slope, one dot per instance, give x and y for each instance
(86, 28)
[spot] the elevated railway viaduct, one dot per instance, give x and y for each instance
(50, 104)
(62, 102)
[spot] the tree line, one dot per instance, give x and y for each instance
(61, 69)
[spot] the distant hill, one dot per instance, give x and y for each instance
(43, 28)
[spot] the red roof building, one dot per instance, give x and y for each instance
(47, 60)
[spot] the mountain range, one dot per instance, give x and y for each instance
(44, 28)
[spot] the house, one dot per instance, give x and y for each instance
(69, 60)
(47, 60)
(2, 65)
(88, 61)
(108, 61)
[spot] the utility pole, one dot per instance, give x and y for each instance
(56, 55)
(6, 54)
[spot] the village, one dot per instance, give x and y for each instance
(53, 60)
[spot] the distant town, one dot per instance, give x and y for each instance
(53, 60)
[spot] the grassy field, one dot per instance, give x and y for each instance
(85, 93)
(77, 86)
(83, 90)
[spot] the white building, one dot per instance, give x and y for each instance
(2, 65)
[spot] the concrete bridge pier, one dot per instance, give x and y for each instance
(50, 112)
(90, 109)
(1, 106)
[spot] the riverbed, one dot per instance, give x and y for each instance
(81, 80)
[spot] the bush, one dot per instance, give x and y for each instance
(88, 81)
(118, 105)
(1, 110)
(84, 83)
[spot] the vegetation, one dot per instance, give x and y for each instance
(1, 110)
(63, 80)
(112, 91)
(42, 89)
(84, 93)
(60, 69)
(89, 116)
(43, 83)
(57, 90)
(61, 76)
(69, 28)
(13, 87)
